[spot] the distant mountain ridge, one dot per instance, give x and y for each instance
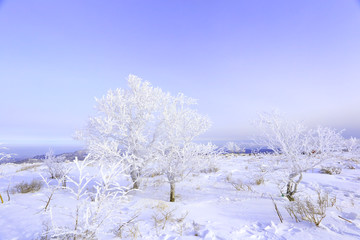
(69, 156)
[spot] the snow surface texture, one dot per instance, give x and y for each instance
(232, 200)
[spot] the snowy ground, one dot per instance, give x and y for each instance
(207, 206)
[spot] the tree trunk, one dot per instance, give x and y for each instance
(291, 187)
(64, 183)
(289, 192)
(135, 178)
(172, 192)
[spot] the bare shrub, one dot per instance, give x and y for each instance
(28, 167)
(23, 187)
(354, 160)
(210, 170)
(330, 170)
(196, 228)
(238, 184)
(133, 231)
(309, 210)
(164, 215)
(350, 166)
(155, 174)
(129, 227)
(259, 181)
(229, 177)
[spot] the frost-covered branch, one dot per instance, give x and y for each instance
(96, 201)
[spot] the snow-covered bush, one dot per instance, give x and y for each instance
(96, 202)
(56, 166)
(78, 230)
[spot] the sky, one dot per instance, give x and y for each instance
(238, 58)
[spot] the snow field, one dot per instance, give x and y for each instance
(208, 205)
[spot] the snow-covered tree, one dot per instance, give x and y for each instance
(126, 122)
(326, 141)
(298, 147)
(352, 145)
(289, 138)
(232, 147)
(143, 124)
(177, 155)
(56, 166)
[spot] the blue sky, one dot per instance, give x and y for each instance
(238, 58)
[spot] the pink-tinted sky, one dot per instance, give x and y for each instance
(237, 57)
